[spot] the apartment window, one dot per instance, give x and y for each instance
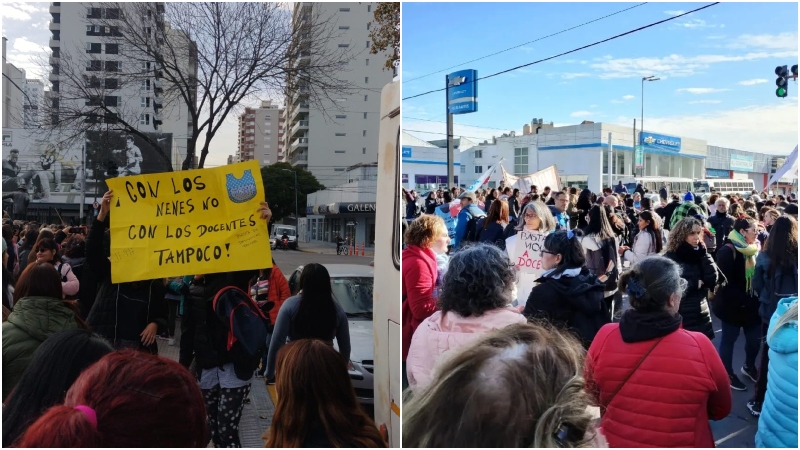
(339, 151)
(113, 66)
(367, 44)
(463, 169)
(478, 154)
(91, 82)
(144, 119)
(366, 97)
(56, 35)
(56, 52)
(145, 102)
(478, 169)
(344, 46)
(344, 27)
(368, 24)
(363, 133)
(340, 134)
(56, 17)
(112, 83)
(94, 47)
(145, 85)
(521, 161)
(367, 61)
(146, 66)
(112, 49)
(112, 13)
(341, 116)
(363, 150)
(366, 80)
(369, 8)
(365, 115)
(93, 13)
(111, 100)
(94, 65)
(344, 9)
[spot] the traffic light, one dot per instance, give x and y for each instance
(782, 82)
(794, 70)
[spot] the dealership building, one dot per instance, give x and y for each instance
(425, 163)
(586, 153)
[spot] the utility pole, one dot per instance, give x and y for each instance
(650, 78)
(450, 153)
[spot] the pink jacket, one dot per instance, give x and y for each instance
(71, 286)
(442, 332)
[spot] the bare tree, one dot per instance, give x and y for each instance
(243, 51)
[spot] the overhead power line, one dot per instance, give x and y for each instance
(455, 135)
(573, 50)
(526, 43)
(461, 124)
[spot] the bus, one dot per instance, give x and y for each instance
(653, 184)
(389, 213)
(724, 186)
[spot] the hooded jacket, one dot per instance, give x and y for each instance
(464, 217)
(572, 300)
(668, 400)
(771, 289)
(450, 220)
(777, 425)
(723, 224)
(420, 273)
(443, 332)
(33, 320)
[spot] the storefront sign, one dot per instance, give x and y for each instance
(639, 156)
(463, 92)
(406, 152)
(349, 208)
(661, 142)
(718, 173)
(742, 163)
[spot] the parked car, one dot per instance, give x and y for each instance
(352, 287)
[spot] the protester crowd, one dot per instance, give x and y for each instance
(615, 315)
(80, 355)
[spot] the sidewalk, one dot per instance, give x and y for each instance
(256, 416)
(327, 248)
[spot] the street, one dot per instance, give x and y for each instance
(289, 260)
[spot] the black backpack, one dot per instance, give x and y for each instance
(597, 262)
(246, 329)
(472, 228)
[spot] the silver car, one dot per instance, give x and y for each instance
(352, 287)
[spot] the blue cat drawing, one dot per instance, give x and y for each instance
(242, 189)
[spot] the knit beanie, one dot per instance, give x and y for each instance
(688, 197)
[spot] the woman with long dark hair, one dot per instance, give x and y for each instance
(56, 364)
(317, 405)
(311, 314)
(492, 228)
(39, 312)
(602, 257)
(47, 251)
(490, 197)
(686, 247)
(584, 204)
(647, 241)
(44, 233)
(25, 249)
(775, 278)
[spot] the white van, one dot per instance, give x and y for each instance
(277, 233)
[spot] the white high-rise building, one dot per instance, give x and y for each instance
(13, 93)
(76, 30)
(34, 98)
(327, 144)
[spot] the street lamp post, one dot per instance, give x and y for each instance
(296, 210)
(650, 78)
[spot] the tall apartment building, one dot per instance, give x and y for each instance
(34, 98)
(261, 134)
(76, 31)
(327, 146)
(13, 93)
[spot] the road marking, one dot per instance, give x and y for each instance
(733, 435)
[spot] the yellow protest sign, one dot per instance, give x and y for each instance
(187, 223)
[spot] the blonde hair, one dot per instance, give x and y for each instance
(520, 386)
(424, 230)
(789, 316)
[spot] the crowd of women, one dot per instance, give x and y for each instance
(81, 365)
(499, 353)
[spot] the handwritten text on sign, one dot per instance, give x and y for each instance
(187, 223)
(527, 252)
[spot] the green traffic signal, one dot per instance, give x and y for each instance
(780, 92)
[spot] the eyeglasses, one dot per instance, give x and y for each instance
(541, 253)
(530, 216)
(42, 250)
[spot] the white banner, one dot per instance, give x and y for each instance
(540, 179)
(791, 160)
(528, 252)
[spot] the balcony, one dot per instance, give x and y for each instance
(299, 159)
(55, 8)
(300, 125)
(53, 77)
(54, 26)
(299, 109)
(55, 43)
(54, 60)
(303, 59)
(301, 142)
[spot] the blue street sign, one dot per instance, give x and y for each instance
(661, 142)
(406, 152)
(463, 92)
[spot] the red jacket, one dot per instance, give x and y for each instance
(670, 398)
(419, 286)
(278, 292)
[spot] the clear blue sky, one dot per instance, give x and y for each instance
(717, 68)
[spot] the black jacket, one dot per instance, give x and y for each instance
(723, 224)
(694, 304)
(574, 303)
(772, 287)
(732, 303)
(666, 212)
(513, 207)
(122, 311)
(430, 205)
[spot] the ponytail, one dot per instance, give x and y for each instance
(61, 427)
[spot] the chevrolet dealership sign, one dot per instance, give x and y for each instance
(661, 142)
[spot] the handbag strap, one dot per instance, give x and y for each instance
(621, 385)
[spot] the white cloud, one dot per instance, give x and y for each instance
(770, 128)
(753, 81)
(781, 41)
(572, 76)
(23, 45)
(628, 97)
(674, 65)
(705, 102)
(581, 114)
(18, 11)
(700, 91)
(674, 12)
(527, 49)
(697, 23)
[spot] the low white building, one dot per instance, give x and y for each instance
(425, 163)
